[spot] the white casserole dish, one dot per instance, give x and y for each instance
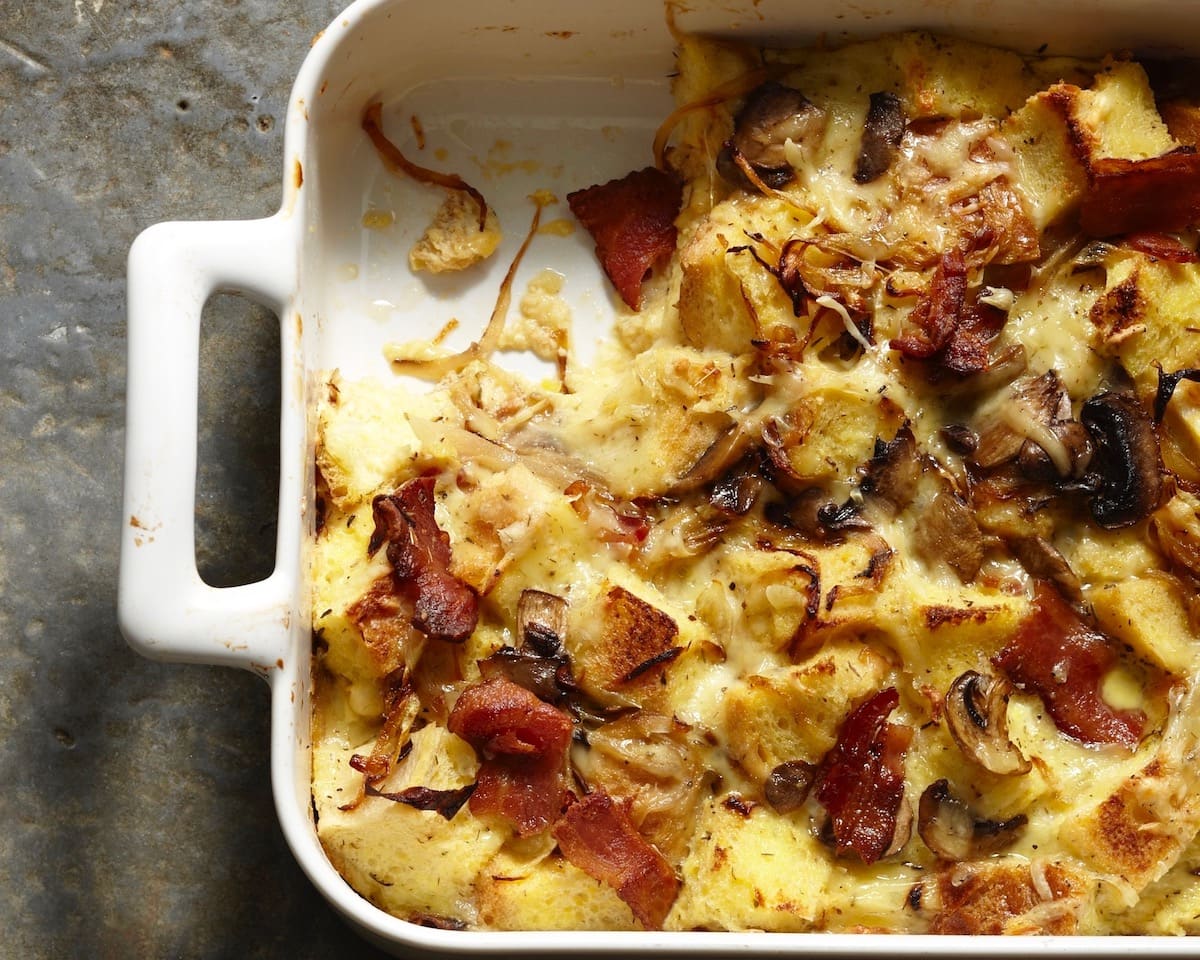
(525, 95)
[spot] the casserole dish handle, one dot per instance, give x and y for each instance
(166, 610)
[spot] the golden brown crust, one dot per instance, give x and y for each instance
(634, 636)
(745, 561)
(1004, 898)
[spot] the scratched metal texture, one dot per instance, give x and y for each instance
(136, 817)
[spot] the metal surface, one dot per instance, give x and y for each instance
(135, 816)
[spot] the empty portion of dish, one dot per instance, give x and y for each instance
(850, 586)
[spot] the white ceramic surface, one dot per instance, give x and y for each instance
(515, 95)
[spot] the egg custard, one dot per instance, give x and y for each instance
(853, 586)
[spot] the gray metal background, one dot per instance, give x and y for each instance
(136, 817)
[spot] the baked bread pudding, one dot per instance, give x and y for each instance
(852, 585)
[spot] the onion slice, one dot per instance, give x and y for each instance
(437, 367)
(397, 162)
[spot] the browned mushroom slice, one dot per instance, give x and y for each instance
(812, 513)
(1042, 560)
(1034, 427)
(772, 115)
(548, 677)
(1038, 401)
(1071, 448)
(960, 438)
(788, 785)
(948, 532)
(723, 453)
(542, 622)
(881, 137)
(735, 493)
(953, 832)
(1126, 460)
(894, 469)
(976, 711)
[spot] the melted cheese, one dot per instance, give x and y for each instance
(597, 486)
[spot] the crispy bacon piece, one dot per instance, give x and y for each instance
(860, 783)
(632, 221)
(1156, 194)
(522, 743)
(969, 347)
(527, 794)
(939, 312)
(500, 718)
(597, 836)
(419, 550)
(1062, 659)
(1161, 246)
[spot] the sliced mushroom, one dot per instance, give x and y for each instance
(542, 622)
(734, 494)
(1041, 559)
(1093, 256)
(881, 137)
(1128, 483)
(548, 677)
(812, 513)
(729, 445)
(1072, 446)
(772, 115)
(953, 832)
(976, 711)
(894, 469)
(960, 438)
(788, 785)
(949, 533)
(1032, 406)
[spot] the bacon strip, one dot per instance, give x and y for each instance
(939, 312)
(969, 347)
(419, 550)
(632, 221)
(1157, 194)
(529, 795)
(860, 782)
(597, 836)
(1161, 246)
(1063, 660)
(522, 743)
